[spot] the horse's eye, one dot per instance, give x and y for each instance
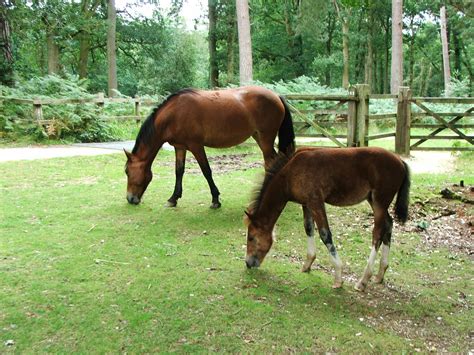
(250, 238)
(126, 171)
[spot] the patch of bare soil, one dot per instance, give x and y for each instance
(221, 164)
(446, 221)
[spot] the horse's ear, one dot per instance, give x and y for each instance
(128, 154)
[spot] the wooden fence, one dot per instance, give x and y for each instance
(407, 112)
(351, 111)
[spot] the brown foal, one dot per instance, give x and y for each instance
(339, 177)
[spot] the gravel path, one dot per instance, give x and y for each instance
(419, 161)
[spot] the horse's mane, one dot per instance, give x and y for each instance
(147, 130)
(277, 164)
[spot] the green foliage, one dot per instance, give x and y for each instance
(83, 122)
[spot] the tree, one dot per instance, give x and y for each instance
(88, 10)
(111, 51)
(344, 15)
(445, 46)
(245, 42)
(6, 56)
(397, 46)
(213, 68)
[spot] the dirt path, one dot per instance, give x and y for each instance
(420, 161)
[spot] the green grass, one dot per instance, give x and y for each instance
(83, 271)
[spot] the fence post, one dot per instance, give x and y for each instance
(100, 100)
(402, 133)
(352, 118)
(37, 111)
(362, 112)
(137, 109)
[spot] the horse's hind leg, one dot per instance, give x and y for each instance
(377, 233)
(386, 240)
(319, 215)
(266, 146)
(309, 229)
(201, 157)
(179, 168)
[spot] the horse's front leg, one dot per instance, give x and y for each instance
(319, 215)
(380, 229)
(201, 157)
(309, 229)
(179, 169)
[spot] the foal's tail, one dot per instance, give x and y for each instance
(286, 133)
(401, 204)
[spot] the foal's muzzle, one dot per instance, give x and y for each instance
(132, 199)
(252, 261)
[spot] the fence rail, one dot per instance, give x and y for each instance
(351, 111)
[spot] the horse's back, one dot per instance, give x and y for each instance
(224, 118)
(345, 176)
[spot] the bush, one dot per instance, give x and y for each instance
(72, 122)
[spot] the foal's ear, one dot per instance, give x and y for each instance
(128, 154)
(249, 217)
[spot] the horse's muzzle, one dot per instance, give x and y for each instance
(132, 199)
(252, 261)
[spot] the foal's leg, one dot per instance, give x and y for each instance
(179, 169)
(201, 157)
(319, 215)
(377, 233)
(386, 240)
(309, 228)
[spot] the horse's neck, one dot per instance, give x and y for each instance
(147, 153)
(273, 202)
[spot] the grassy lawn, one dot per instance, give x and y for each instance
(83, 271)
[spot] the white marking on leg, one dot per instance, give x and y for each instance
(383, 262)
(311, 254)
(337, 269)
(368, 270)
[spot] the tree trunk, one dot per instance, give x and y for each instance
(230, 49)
(6, 56)
(330, 32)
(213, 68)
(369, 60)
(412, 54)
(344, 18)
(53, 54)
(245, 42)
(457, 53)
(111, 50)
(84, 48)
(444, 43)
(397, 47)
(387, 55)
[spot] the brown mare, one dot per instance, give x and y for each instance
(339, 177)
(194, 119)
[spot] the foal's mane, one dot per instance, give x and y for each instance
(147, 130)
(278, 163)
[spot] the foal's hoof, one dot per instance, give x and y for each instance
(171, 203)
(378, 280)
(306, 269)
(360, 287)
(337, 284)
(216, 205)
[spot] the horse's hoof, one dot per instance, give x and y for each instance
(306, 269)
(216, 205)
(171, 203)
(359, 287)
(337, 284)
(378, 280)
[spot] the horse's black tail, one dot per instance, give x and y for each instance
(401, 204)
(286, 133)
